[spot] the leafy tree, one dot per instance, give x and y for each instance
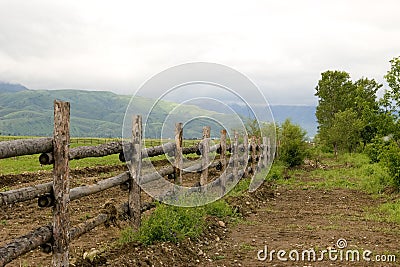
(334, 90)
(391, 159)
(393, 79)
(391, 98)
(345, 130)
(339, 99)
(293, 146)
(367, 107)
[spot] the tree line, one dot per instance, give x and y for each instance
(353, 118)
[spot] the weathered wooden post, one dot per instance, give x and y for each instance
(264, 152)
(134, 201)
(253, 154)
(222, 158)
(204, 156)
(61, 141)
(235, 155)
(178, 153)
(246, 153)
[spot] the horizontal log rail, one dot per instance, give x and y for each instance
(32, 192)
(43, 235)
(22, 147)
(114, 148)
(24, 194)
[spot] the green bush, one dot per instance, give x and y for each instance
(167, 223)
(293, 147)
(171, 223)
(219, 208)
(375, 148)
(391, 159)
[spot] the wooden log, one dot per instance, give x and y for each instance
(90, 224)
(61, 142)
(43, 235)
(160, 150)
(204, 155)
(82, 191)
(46, 201)
(223, 161)
(22, 147)
(135, 169)
(24, 194)
(25, 243)
(110, 149)
(178, 153)
(32, 192)
(86, 152)
(189, 150)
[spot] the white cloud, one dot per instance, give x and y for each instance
(116, 45)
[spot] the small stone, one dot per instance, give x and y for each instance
(217, 238)
(247, 203)
(200, 252)
(221, 223)
(91, 255)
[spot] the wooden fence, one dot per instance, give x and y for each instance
(55, 237)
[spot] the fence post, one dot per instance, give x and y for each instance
(134, 201)
(178, 153)
(246, 153)
(61, 141)
(235, 154)
(204, 156)
(264, 152)
(253, 154)
(222, 158)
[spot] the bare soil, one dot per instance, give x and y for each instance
(279, 217)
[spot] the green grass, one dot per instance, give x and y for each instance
(171, 223)
(350, 171)
(387, 212)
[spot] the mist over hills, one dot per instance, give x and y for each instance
(101, 113)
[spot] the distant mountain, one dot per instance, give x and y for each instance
(11, 88)
(101, 113)
(301, 115)
(93, 114)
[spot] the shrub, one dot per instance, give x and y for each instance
(375, 148)
(391, 158)
(167, 223)
(293, 147)
(171, 223)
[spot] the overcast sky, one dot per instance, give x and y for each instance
(283, 46)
